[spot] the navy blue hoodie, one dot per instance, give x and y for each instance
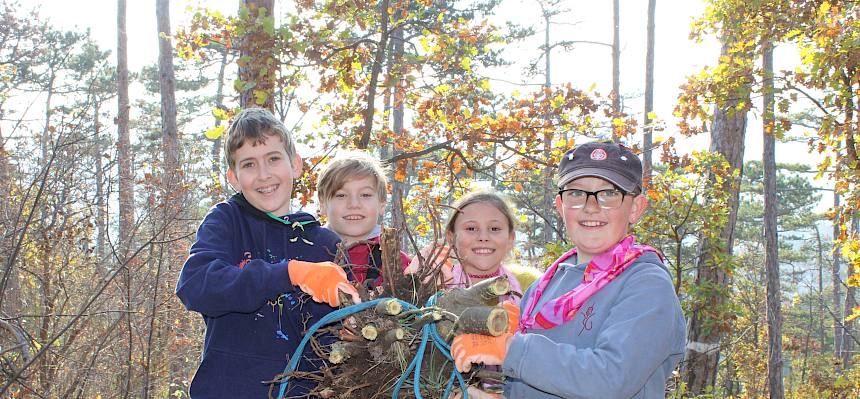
(236, 278)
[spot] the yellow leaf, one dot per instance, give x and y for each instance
(484, 84)
(215, 133)
(515, 93)
(466, 64)
(854, 314)
(220, 114)
(652, 115)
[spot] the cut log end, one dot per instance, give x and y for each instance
(370, 332)
(389, 307)
(483, 320)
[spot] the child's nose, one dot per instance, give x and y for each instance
(352, 201)
(264, 171)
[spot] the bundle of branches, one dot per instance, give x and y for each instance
(395, 344)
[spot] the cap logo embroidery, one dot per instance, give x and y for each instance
(598, 154)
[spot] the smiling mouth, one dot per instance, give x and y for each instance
(592, 223)
(267, 189)
(483, 251)
(354, 217)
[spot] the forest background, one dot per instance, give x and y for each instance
(107, 171)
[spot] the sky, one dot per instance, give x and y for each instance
(676, 56)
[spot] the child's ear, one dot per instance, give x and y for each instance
(322, 208)
(297, 166)
(234, 182)
(640, 204)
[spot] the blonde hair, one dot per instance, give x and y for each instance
(350, 165)
(476, 197)
(255, 125)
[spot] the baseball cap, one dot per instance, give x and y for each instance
(610, 161)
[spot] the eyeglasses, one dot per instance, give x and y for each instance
(606, 199)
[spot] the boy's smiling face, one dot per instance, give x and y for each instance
(592, 229)
(354, 209)
(264, 174)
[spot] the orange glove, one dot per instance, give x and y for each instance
(321, 280)
(513, 316)
(475, 348)
(475, 393)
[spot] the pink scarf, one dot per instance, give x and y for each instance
(600, 271)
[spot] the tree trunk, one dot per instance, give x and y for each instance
(171, 191)
(727, 138)
(376, 69)
(257, 63)
(126, 177)
(848, 337)
(101, 196)
(548, 171)
(216, 195)
(167, 84)
(649, 96)
(126, 184)
(775, 386)
(616, 61)
(399, 94)
(848, 342)
(837, 286)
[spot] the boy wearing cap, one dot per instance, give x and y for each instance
(604, 320)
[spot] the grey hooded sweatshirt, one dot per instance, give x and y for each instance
(623, 343)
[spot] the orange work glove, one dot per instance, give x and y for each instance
(513, 316)
(475, 393)
(321, 280)
(475, 348)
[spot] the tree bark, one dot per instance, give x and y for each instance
(126, 185)
(850, 303)
(548, 171)
(775, 386)
(649, 96)
(727, 138)
(216, 195)
(376, 69)
(398, 189)
(257, 63)
(616, 61)
(837, 287)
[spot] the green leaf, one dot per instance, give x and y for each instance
(260, 97)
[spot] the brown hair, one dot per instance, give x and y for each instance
(350, 165)
(255, 125)
(476, 197)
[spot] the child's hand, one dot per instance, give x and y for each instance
(475, 348)
(322, 281)
(435, 256)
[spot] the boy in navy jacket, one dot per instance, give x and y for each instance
(250, 257)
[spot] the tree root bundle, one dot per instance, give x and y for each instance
(378, 345)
